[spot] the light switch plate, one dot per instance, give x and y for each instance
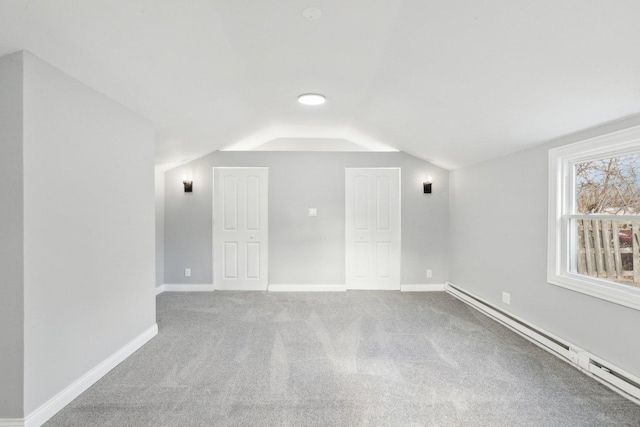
(313, 211)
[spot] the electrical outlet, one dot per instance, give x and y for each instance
(187, 272)
(313, 211)
(506, 298)
(429, 273)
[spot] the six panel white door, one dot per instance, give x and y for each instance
(372, 228)
(240, 228)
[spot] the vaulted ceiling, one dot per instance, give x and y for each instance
(451, 81)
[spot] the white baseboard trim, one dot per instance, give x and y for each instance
(167, 287)
(62, 399)
(617, 379)
(160, 289)
(11, 422)
(438, 287)
(307, 288)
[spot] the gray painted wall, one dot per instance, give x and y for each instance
(88, 229)
(159, 185)
(11, 241)
(498, 233)
(303, 249)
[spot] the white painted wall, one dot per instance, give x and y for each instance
(159, 185)
(498, 235)
(303, 249)
(88, 229)
(11, 241)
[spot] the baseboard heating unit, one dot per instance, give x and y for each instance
(618, 380)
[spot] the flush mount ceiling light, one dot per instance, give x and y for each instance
(311, 99)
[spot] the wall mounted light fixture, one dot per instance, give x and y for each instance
(188, 184)
(427, 186)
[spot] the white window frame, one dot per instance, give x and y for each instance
(561, 211)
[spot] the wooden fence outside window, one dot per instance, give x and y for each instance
(609, 249)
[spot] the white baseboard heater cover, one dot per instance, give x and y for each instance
(615, 378)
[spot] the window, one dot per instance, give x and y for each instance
(594, 217)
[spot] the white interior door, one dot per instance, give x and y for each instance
(373, 228)
(240, 228)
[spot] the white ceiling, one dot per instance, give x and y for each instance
(451, 81)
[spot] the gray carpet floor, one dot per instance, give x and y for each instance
(340, 359)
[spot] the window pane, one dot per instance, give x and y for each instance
(608, 186)
(606, 249)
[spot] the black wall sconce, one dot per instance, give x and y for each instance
(188, 184)
(427, 186)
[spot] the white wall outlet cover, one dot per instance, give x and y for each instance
(187, 272)
(313, 211)
(506, 298)
(429, 273)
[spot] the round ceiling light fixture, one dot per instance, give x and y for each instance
(311, 99)
(312, 13)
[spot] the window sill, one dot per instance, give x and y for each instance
(599, 288)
